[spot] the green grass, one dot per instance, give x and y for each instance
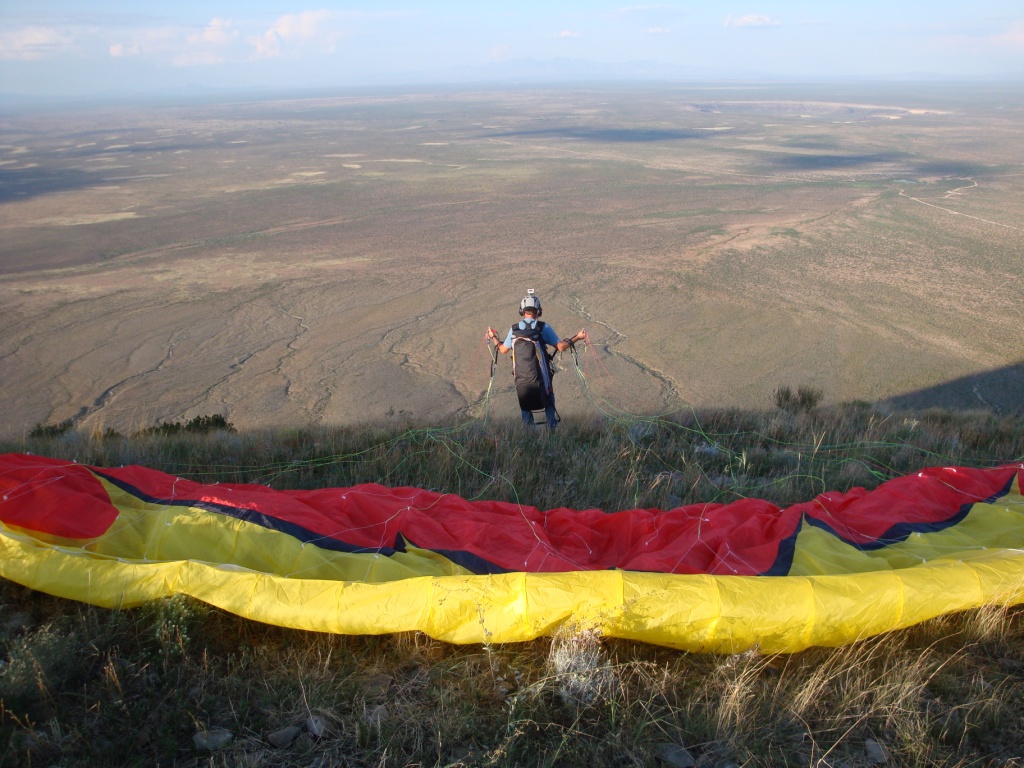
(79, 684)
(785, 455)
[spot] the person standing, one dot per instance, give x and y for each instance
(528, 341)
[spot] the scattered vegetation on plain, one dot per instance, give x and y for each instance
(287, 257)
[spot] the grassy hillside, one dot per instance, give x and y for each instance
(148, 686)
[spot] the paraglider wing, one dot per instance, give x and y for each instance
(369, 559)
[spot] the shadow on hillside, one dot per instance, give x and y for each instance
(1000, 390)
(25, 183)
(37, 178)
(954, 169)
(833, 162)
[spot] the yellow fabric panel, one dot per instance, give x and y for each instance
(696, 613)
(837, 594)
(169, 533)
(982, 530)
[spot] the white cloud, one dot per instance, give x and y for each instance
(986, 44)
(267, 45)
(568, 33)
(210, 46)
(120, 50)
(500, 52)
(303, 26)
(32, 43)
(657, 31)
(751, 20)
(296, 29)
(217, 32)
(222, 39)
(1013, 37)
(159, 42)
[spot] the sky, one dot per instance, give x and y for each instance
(74, 48)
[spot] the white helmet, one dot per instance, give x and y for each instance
(530, 302)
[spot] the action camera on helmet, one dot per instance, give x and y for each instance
(530, 302)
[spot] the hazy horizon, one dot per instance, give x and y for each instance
(58, 49)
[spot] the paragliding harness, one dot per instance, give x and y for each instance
(531, 369)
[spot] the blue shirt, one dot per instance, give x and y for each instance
(548, 334)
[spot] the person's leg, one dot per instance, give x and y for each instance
(527, 418)
(550, 413)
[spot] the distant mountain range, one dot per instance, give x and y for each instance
(517, 72)
(562, 69)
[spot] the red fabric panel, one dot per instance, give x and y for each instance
(739, 538)
(54, 497)
(929, 496)
(742, 537)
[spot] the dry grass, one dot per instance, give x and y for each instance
(88, 683)
(78, 684)
(613, 462)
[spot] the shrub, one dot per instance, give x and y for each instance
(804, 399)
(52, 430)
(200, 425)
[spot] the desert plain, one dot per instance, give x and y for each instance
(336, 258)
